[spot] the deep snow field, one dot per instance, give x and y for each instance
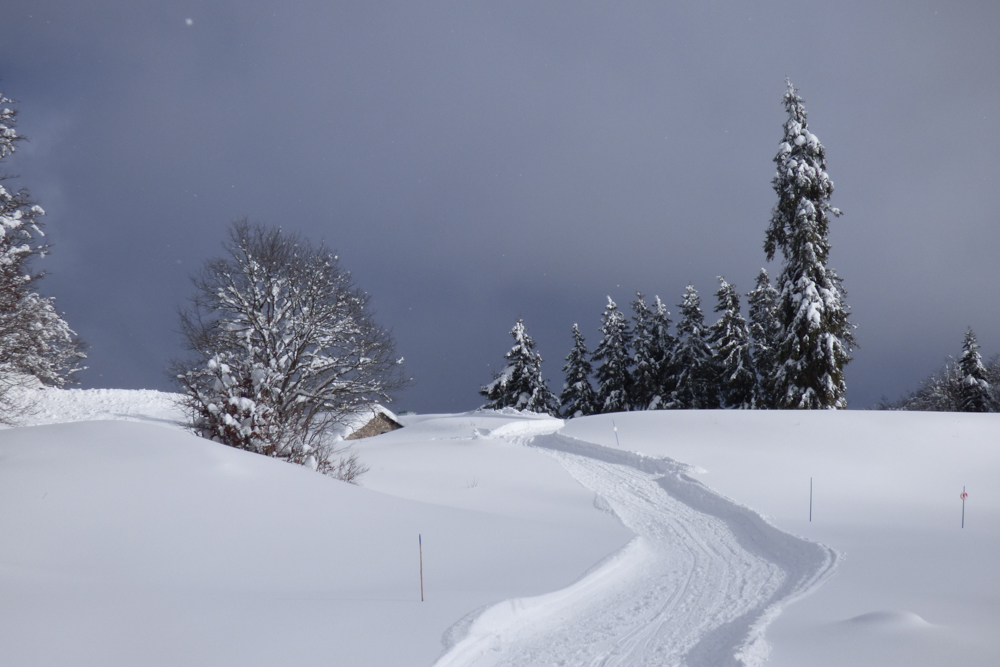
(126, 541)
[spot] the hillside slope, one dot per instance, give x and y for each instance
(132, 542)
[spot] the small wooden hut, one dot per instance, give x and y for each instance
(379, 421)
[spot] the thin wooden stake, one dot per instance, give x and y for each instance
(420, 543)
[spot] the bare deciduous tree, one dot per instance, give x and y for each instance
(283, 348)
(36, 343)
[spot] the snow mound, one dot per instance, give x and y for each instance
(889, 620)
(524, 430)
(58, 406)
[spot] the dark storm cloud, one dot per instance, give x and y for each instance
(473, 163)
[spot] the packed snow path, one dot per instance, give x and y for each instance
(696, 587)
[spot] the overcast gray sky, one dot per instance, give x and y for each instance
(477, 162)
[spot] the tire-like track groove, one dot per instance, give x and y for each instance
(697, 585)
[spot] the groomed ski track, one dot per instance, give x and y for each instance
(696, 587)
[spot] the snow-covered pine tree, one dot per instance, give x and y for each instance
(816, 339)
(697, 378)
(520, 384)
(976, 394)
(663, 345)
(577, 397)
(730, 337)
(645, 380)
(765, 333)
(35, 341)
(614, 374)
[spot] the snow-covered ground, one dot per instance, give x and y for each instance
(132, 542)
(912, 587)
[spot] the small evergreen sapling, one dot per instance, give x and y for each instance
(731, 338)
(614, 374)
(577, 397)
(520, 384)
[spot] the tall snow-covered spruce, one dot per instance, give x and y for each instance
(975, 389)
(36, 343)
(816, 337)
(731, 338)
(520, 384)
(614, 374)
(577, 397)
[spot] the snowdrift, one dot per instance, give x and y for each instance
(132, 542)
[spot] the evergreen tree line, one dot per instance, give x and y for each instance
(643, 362)
(791, 353)
(965, 385)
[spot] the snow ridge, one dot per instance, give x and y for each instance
(697, 586)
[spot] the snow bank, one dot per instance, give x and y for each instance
(128, 543)
(886, 496)
(57, 406)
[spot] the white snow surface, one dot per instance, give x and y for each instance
(544, 542)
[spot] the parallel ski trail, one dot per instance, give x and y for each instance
(696, 587)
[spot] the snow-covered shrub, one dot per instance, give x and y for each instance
(283, 349)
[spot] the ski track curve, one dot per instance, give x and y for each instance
(697, 586)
